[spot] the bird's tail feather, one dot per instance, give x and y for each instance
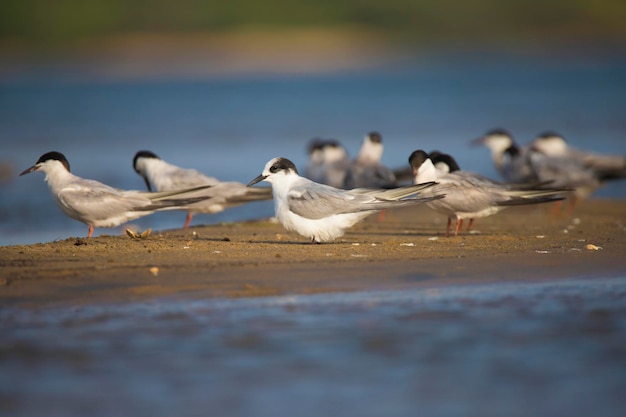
(164, 195)
(520, 201)
(385, 204)
(537, 192)
(172, 203)
(394, 194)
(251, 194)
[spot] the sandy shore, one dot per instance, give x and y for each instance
(249, 259)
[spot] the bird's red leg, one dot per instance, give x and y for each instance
(187, 220)
(471, 223)
(573, 201)
(459, 223)
(448, 227)
(90, 233)
(556, 208)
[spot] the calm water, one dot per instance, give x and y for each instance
(517, 349)
(230, 128)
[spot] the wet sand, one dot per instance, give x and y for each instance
(253, 259)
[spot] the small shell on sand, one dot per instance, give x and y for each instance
(591, 246)
(154, 271)
(134, 235)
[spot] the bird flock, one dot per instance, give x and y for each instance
(336, 191)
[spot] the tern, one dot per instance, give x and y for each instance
(322, 213)
(328, 162)
(444, 163)
(336, 164)
(470, 196)
(367, 170)
(578, 164)
(509, 158)
(565, 172)
(218, 196)
(97, 204)
(315, 170)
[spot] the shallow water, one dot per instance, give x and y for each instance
(230, 128)
(515, 349)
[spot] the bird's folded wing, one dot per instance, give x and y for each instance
(317, 203)
(98, 203)
(189, 178)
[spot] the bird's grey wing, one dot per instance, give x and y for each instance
(98, 202)
(186, 178)
(563, 172)
(318, 201)
(466, 194)
(477, 194)
(480, 181)
(477, 178)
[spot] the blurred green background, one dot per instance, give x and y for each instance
(57, 23)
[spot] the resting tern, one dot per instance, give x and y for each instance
(564, 172)
(367, 170)
(470, 195)
(510, 159)
(99, 205)
(328, 162)
(315, 170)
(603, 167)
(444, 163)
(322, 213)
(336, 164)
(216, 198)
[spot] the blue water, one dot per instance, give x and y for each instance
(230, 128)
(517, 349)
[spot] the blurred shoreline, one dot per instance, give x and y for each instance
(235, 54)
(191, 56)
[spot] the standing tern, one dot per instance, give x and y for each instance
(216, 198)
(322, 213)
(470, 195)
(509, 158)
(367, 170)
(97, 204)
(445, 164)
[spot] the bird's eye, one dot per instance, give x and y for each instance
(274, 168)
